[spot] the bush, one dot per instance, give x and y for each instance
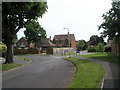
(26, 51)
(49, 51)
(33, 50)
(100, 47)
(92, 49)
(3, 49)
(107, 49)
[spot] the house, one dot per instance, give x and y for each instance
(63, 40)
(61, 43)
(45, 44)
(23, 44)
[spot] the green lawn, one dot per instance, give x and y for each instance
(6, 67)
(105, 56)
(89, 74)
(24, 58)
(70, 54)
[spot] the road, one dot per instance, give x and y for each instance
(42, 72)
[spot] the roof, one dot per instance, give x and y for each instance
(63, 37)
(62, 40)
(21, 39)
(46, 43)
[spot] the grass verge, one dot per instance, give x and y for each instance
(89, 74)
(24, 58)
(70, 54)
(105, 56)
(6, 67)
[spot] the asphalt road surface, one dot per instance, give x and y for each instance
(42, 72)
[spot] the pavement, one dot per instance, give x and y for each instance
(41, 72)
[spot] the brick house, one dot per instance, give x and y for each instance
(63, 40)
(62, 44)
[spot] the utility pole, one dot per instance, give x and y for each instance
(68, 40)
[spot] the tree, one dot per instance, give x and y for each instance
(34, 32)
(100, 47)
(94, 40)
(81, 45)
(111, 24)
(15, 16)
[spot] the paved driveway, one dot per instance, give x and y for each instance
(42, 72)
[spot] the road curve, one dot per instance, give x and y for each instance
(42, 72)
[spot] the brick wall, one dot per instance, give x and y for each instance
(73, 42)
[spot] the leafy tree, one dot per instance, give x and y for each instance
(81, 45)
(94, 40)
(111, 24)
(15, 16)
(100, 47)
(34, 32)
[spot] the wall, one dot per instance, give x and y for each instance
(73, 42)
(62, 51)
(115, 48)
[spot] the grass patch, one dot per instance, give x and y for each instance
(89, 74)
(70, 54)
(24, 58)
(105, 56)
(6, 67)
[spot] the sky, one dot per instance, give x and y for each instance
(81, 17)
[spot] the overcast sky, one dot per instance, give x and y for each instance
(80, 16)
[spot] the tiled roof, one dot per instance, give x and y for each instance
(63, 37)
(46, 43)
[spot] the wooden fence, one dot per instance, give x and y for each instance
(115, 48)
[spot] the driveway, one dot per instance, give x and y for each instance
(42, 72)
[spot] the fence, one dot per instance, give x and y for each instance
(62, 51)
(115, 48)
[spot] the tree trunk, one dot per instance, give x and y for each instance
(9, 55)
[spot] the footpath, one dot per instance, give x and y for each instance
(16, 59)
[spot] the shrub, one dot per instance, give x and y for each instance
(100, 47)
(33, 50)
(49, 51)
(107, 49)
(26, 51)
(92, 49)
(3, 49)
